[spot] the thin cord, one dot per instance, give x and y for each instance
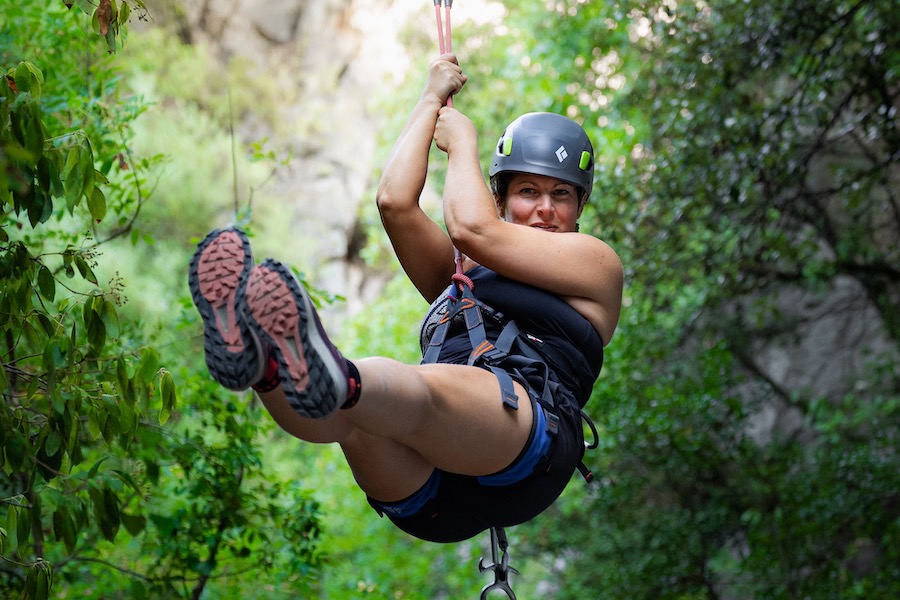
(440, 26)
(445, 45)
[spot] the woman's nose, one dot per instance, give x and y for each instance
(545, 203)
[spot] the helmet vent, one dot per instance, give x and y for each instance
(585, 163)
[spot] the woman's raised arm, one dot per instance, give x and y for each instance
(423, 247)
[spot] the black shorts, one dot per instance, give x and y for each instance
(452, 507)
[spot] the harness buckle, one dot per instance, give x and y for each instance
(552, 422)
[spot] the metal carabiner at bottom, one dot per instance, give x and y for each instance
(499, 565)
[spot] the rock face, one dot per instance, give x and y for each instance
(327, 59)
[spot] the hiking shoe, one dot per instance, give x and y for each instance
(217, 277)
(314, 375)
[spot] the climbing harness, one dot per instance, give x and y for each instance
(509, 353)
(499, 565)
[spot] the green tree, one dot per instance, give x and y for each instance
(748, 156)
(103, 485)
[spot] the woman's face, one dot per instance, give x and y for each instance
(541, 202)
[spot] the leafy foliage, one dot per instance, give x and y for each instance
(748, 151)
(747, 160)
(101, 457)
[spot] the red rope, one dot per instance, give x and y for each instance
(445, 45)
(460, 279)
(440, 26)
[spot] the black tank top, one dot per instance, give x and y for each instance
(568, 342)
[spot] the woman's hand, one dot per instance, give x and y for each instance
(445, 78)
(454, 130)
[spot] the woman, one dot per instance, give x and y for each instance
(445, 449)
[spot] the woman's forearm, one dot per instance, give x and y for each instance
(404, 174)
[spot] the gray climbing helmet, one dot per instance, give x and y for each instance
(546, 144)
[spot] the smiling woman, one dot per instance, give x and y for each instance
(542, 202)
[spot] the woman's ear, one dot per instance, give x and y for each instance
(501, 206)
(581, 204)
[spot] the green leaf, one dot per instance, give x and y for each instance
(46, 283)
(85, 269)
(55, 353)
(167, 390)
(95, 20)
(86, 161)
(31, 131)
(97, 204)
(109, 526)
(93, 424)
(105, 508)
(16, 449)
(149, 364)
(44, 579)
(138, 590)
(45, 323)
(25, 79)
(73, 183)
(87, 6)
(110, 318)
(4, 385)
(53, 443)
(96, 467)
(68, 257)
(71, 162)
(48, 465)
(64, 528)
(133, 524)
(12, 527)
(59, 404)
(37, 78)
(31, 584)
(38, 207)
(23, 526)
(122, 379)
(111, 38)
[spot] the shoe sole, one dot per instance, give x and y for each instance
(218, 272)
(282, 315)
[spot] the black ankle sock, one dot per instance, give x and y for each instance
(354, 388)
(270, 379)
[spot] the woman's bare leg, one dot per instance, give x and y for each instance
(410, 419)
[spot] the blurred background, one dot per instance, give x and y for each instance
(747, 175)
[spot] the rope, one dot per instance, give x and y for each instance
(445, 45)
(445, 42)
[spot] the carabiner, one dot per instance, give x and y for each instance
(501, 569)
